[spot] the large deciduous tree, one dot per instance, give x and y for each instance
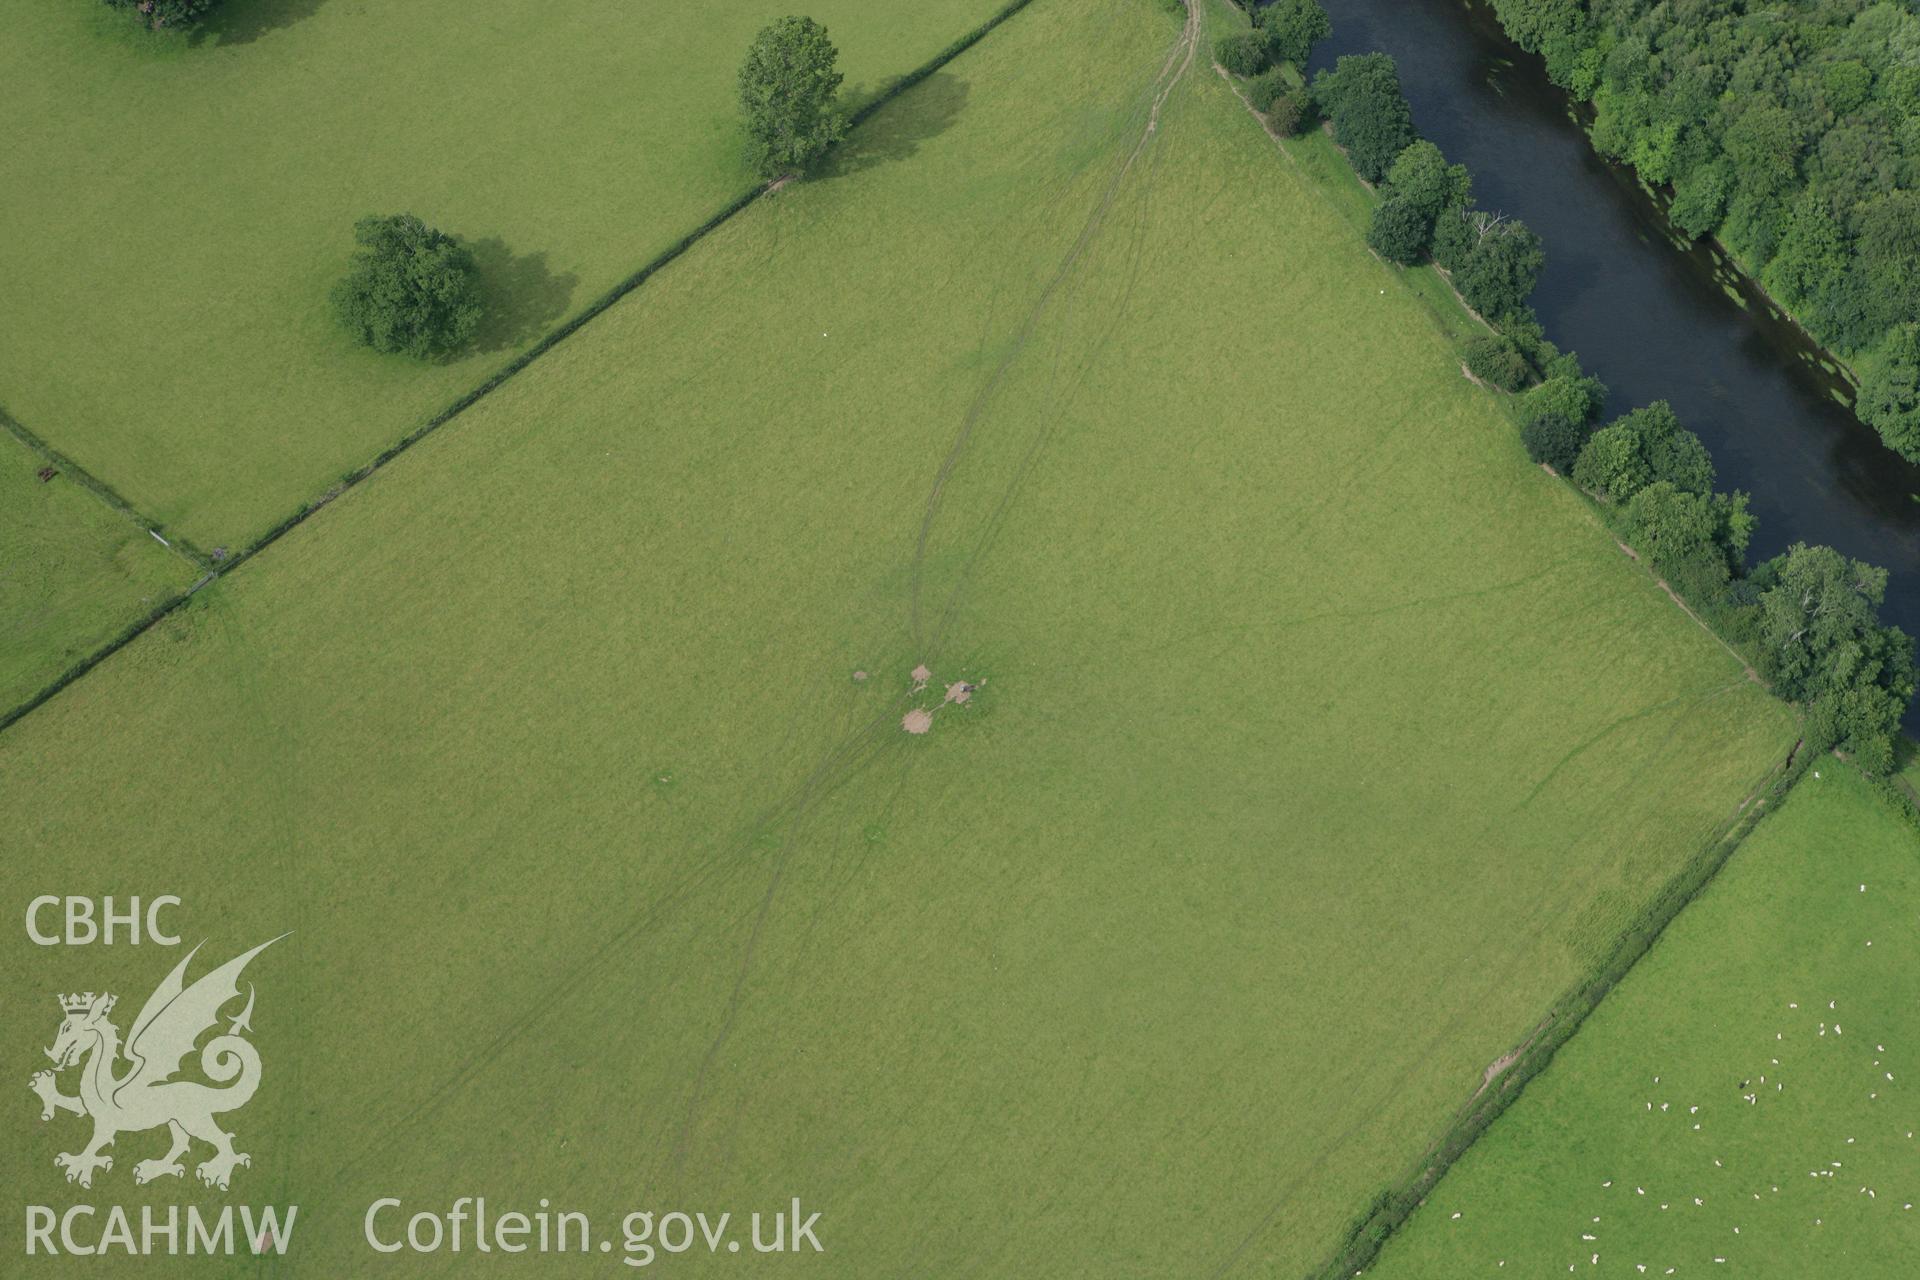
(787, 89)
(1552, 439)
(1889, 398)
(411, 289)
(1823, 644)
(1493, 260)
(1361, 96)
(1295, 27)
(1421, 176)
(1399, 232)
(1576, 397)
(1640, 448)
(1244, 53)
(1420, 186)
(1698, 540)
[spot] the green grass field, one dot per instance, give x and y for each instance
(176, 213)
(73, 573)
(1321, 740)
(1765, 1008)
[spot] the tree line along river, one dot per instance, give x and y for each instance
(1654, 317)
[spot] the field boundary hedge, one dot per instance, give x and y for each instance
(1368, 1232)
(620, 290)
(566, 329)
(106, 493)
(1899, 795)
(100, 489)
(132, 631)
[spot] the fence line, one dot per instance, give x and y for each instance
(100, 489)
(1368, 1232)
(567, 329)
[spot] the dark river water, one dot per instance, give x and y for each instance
(1654, 319)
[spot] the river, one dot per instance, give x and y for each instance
(1653, 318)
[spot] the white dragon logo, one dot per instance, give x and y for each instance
(146, 1095)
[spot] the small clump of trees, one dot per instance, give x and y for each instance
(1566, 393)
(788, 87)
(1266, 89)
(1494, 358)
(1809, 616)
(1282, 32)
(1557, 415)
(1553, 440)
(1293, 27)
(1823, 645)
(1244, 53)
(1698, 541)
(1642, 447)
(1494, 261)
(1420, 186)
(411, 289)
(1270, 58)
(1426, 207)
(1426, 211)
(1360, 96)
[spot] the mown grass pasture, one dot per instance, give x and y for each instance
(1318, 739)
(178, 208)
(1745, 1097)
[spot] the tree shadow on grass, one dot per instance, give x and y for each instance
(895, 132)
(524, 298)
(244, 21)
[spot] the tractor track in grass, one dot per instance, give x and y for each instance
(838, 763)
(1279, 145)
(853, 752)
(1172, 71)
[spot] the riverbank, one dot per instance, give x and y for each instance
(1503, 1081)
(1317, 152)
(1745, 279)
(1652, 315)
